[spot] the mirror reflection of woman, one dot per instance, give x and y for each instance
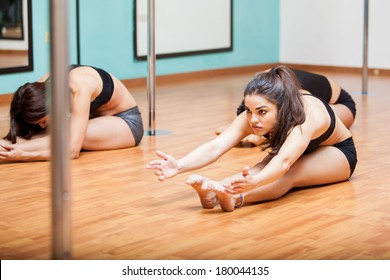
(104, 116)
(307, 144)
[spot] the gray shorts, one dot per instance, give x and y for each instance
(133, 119)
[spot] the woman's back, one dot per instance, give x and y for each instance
(108, 95)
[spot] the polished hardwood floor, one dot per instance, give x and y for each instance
(121, 211)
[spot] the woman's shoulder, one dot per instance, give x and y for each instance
(81, 71)
(312, 103)
(317, 115)
(84, 78)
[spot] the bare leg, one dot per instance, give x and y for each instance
(341, 110)
(326, 165)
(344, 114)
(107, 133)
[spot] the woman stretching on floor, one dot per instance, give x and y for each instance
(318, 85)
(104, 115)
(307, 145)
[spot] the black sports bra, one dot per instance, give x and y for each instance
(316, 142)
(107, 91)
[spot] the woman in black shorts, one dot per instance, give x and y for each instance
(318, 85)
(307, 145)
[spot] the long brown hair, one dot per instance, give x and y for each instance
(281, 87)
(28, 106)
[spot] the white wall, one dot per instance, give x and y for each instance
(319, 32)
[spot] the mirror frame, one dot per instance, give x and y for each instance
(185, 51)
(30, 65)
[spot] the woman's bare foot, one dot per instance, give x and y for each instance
(211, 191)
(226, 200)
(208, 198)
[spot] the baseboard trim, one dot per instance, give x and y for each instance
(6, 98)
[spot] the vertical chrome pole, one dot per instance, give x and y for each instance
(151, 80)
(59, 129)
(365, 49)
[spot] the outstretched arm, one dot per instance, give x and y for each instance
(82, 87)
(292, 149)
(36, 149)
(167, 166)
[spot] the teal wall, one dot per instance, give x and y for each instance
(106, 33)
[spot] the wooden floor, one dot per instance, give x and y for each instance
(120, 210)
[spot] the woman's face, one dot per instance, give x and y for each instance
(261, 114)
(43, 122)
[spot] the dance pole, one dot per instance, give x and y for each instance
(151, 80)
(59, 130)
(365, 49)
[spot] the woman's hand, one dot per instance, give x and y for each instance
(9, 152)
(243, 184)
(166, 167)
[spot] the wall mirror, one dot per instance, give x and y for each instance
(16, 54)
(184, 27)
